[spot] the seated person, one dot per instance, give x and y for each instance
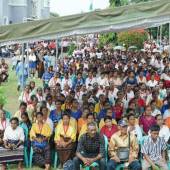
(65, 138)
(109, 112)
(83, 119)
(147, 120)
(90, 149)
(90, 118)
(109, 128)
(22, 109)
(75, 111)
(164, 130)
(39, 135)
(55, 115)
(13, 139)
(134, 128)
(121, 139)
(4, 123)
(153, 149)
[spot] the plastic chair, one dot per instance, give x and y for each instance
(26, 131)
(95, 164)
(55, 160)
(31, 156)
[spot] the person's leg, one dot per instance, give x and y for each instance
(111, 165)
(135, 165)
(3, 166)
(163, 165)
(20, 167)
(102, 164)
(47, 156)
(145, 165)
(76, 163)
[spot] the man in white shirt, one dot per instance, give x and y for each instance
(164, 130)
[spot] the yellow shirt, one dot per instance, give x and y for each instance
(101, 124)
(118, 141)
(18, 115)
(70, 133)
(73, 123)
(84, 130)
(45, 131)
(97, 108)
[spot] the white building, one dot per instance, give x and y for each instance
(17, 11)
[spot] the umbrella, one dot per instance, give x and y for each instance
(119, 48)
(132, 47)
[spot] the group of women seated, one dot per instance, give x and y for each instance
(45, 137)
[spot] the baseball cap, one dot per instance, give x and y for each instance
(122, 123)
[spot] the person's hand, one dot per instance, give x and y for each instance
(131, 159)
(86, 161)
(116, 159)
(154, 167)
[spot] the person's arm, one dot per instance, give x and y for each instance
(150, 161)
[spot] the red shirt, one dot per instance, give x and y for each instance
(118, 110)
(108, 133)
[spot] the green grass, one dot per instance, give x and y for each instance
(10, 91)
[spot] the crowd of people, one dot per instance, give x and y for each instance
(3, 71)
(102, 106)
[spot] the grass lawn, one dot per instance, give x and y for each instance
(11, 93)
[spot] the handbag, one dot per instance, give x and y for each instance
(123, 152)
(40, 145)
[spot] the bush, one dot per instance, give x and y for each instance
(133, 38)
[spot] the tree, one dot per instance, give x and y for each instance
(109, 38)
(133, 38)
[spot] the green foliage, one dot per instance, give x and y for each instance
(108, 38)
(71, 49)
(132, 38)
(2, 97)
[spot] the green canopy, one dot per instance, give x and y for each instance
(142, 15)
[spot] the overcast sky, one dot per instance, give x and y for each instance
(68, 7)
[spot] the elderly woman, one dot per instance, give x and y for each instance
(13, 139)
(65, 137)
(39, 135)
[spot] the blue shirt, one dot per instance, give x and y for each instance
(54, 116)
(47, 76)
(76, 115)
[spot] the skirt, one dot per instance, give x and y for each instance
(41, 156)
(7, 155)
(32, 64)
(66, 153)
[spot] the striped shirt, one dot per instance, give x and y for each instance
(154, 149)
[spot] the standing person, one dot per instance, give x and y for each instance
(40, 68)
(22, 73)
(121, 139)
(90, 149)
(32, 63)
(22, 109)
(153, 149)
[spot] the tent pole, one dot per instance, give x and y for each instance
(56, 53)
(23, 67)
(169, 39)
(61, 48)
(28, 61)
(160, 35)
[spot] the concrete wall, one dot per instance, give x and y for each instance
(17, 13)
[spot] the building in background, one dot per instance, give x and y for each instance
(17, 11)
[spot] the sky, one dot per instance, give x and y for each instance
(68, 7)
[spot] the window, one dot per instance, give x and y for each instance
(46, 3)
(18, 2)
